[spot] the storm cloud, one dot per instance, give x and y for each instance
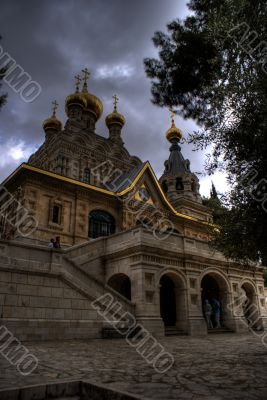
(53, 40)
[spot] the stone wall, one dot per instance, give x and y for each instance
(35, 307)
(45, 296)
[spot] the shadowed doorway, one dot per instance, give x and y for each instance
(210, 288)
(167, 301)
(122, 284)
(215, 287)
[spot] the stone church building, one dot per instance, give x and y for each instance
(122, 231)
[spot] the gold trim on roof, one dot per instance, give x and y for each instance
(60, 177)
(146, 166)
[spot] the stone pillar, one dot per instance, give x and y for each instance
(181, 309)
(196, 322)
(145, 295)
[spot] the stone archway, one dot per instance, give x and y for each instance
(250, 307)
(173, 301)
(122, 284)
(215, 287)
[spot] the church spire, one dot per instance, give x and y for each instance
(177, 181)
(176, 162)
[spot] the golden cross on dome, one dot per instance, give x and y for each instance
(86, 75)
(54, 107)
(172, 115)
(116, 99)
(78, 81)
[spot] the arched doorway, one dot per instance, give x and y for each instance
(173, 302)
(101, 223)
(122, 284)
(214, 289)
(250, 306)
(167, 301)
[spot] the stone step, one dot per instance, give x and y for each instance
(220, 330)
(69, 398)
(112, 333)
(173, 331)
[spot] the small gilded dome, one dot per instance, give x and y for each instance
(115, 118)
(174, 132)
(52, 123)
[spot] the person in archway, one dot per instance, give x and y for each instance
(51, 243)
(57, 244)
(207, 312)
(216, 308)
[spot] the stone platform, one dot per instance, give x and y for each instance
(216, 367)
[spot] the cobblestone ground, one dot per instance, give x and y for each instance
(219, 367)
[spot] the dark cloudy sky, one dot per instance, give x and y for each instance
(54, 40)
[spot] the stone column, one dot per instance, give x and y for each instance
(196, 322)
(145, 295)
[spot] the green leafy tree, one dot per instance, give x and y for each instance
(215, 205)
(212, 68)
(213, 192)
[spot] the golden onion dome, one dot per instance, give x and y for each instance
(93, 104)
(52, 123)
(173, 132)
(75, 99)
(115, 118)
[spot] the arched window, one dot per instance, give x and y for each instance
(56, 214)
(101, 223)
(86, 175)
(179, 184)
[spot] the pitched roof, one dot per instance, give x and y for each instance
(125, 187)
(126, 179)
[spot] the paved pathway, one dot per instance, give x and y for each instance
(219, 367)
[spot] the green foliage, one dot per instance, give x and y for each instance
(215, 205)
(213, 192)
(211, 68)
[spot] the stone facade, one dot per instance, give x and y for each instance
(122, 231)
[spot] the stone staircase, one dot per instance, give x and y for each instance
(34, 259)
(223, 329)
(173, 331)
(110, 332)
